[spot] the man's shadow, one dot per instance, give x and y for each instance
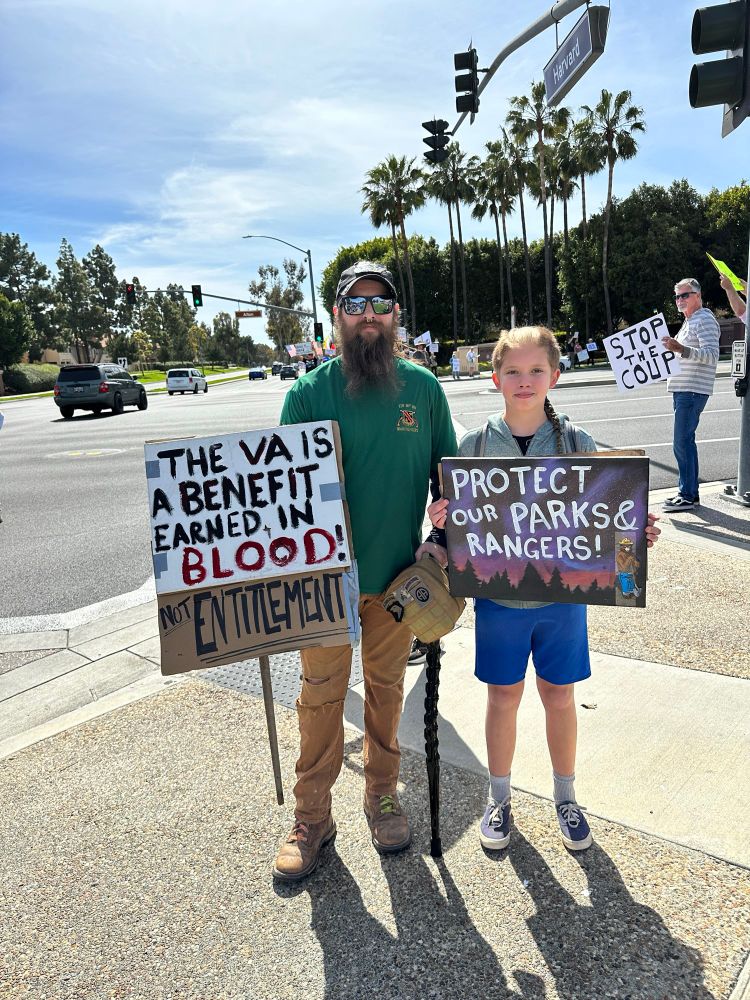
(604, 938)
(435, 950)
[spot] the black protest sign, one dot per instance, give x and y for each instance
(564, 529)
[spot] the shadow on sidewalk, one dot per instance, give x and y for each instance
(605, 941)
(433, 951)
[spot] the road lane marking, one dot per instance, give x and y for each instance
(90, 453)
(668, 444)
(652, 416)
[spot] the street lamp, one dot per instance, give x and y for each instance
(254, 236)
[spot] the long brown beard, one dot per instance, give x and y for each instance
(369, 364)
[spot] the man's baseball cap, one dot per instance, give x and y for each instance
(365, 269)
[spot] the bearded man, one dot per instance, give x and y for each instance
(395, 427)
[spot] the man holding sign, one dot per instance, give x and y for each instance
(697, 344)
(395, 428)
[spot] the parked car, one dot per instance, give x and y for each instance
(565, 364)
(276, 367)
(257, 373)
(288, 371)
(96, 388)
(184, 380)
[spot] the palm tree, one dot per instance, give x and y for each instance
(496, 194)
(458, 187)
(397, 184)
(382, 212)
(517, 154)
(529, 118)
(591, 157)
(613, 121)
(568, 168)
(438, 186)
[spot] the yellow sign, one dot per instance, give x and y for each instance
(722, 268)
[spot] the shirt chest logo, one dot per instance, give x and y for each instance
(407, 418)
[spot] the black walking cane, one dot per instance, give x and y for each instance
(432, 650)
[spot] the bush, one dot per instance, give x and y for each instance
(30, 378)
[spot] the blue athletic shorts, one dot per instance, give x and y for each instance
(555, 636)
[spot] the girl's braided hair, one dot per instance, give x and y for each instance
(533, 336)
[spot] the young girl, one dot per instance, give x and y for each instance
(526, 364)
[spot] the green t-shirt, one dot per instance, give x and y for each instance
(390, 446)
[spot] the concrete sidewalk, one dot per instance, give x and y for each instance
(663, 771)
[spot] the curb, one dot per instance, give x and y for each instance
(741, 989)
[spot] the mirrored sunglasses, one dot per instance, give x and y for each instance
(355, 305)
(682, 295)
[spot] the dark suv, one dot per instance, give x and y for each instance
(97, 388)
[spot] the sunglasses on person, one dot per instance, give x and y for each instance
(355, 305)
(682, 295)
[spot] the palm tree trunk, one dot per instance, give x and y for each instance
(453, 275)
(551, 248)
(526, 251)
(409, 276)
(585, 236)
(398, 262)
(565, 222)
(547, 257)
(463, 272)
(605, 247)
(507, 264)
(583, 205)
(500, 263)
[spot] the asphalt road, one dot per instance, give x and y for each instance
(73, 493)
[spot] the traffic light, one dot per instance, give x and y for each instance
(437, 140)
(197, 295)
(725, 27)
(467, 84)
(318, 332)
(130, 293)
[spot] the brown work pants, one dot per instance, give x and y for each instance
(320, 708)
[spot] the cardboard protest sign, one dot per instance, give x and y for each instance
(250, 544)
(243, 506)
(638, 356)
(565, 529)
(210, 626)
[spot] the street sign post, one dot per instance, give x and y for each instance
(248, 313)
(739, 359)
(578, 52)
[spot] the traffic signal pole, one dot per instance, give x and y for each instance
(725, 27)
(229, 298)
(743, 467)
(555, 14)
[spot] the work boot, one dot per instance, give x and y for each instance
(299, 854)
(388, 823)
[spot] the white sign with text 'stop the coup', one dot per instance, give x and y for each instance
(638, 357)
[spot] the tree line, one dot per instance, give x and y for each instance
(658, 235)
(84, 306)
(616, 266)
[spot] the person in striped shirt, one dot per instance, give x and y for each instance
(697, 344)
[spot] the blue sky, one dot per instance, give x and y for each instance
(167, 131)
